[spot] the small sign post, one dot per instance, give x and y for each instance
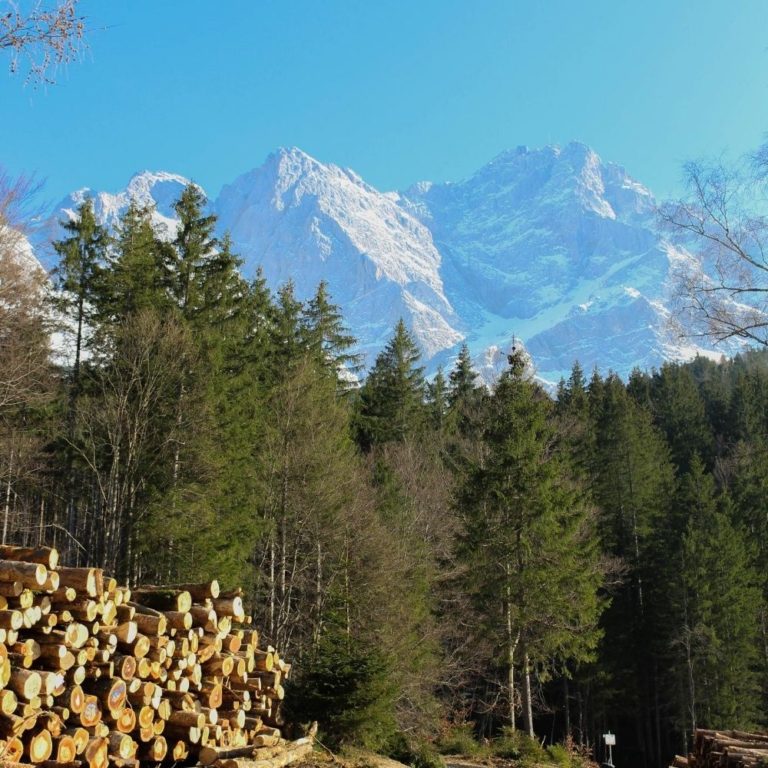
(610, 742)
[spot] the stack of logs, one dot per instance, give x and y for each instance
(95, 674)
(725, 749)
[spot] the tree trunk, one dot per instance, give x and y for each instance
(512, 641)
(272, 583)
(74, 392)
(7, 509)
(318, 592)
(689, 659)
(527, 702)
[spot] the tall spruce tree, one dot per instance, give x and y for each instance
(633, 486)
(679, 411)
(134, 280)
(327, 337)
(191, 251)
(437, 403)
(749, 490)
(466, 397)
(720, 602)
(391, 405)
(78, 279)
(287, 332)
(529, 540)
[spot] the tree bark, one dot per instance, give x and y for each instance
(527, 702)
(512, 641)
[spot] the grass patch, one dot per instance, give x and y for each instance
(518, 746)
(459, 740)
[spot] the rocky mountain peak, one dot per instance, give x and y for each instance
(552, 246)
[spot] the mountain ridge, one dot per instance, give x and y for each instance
(550, 246)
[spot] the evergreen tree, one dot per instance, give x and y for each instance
(327, 337)
(633, 485)
(437, 402)
(287, 332)
(575, 423)
(78, 278)
(135, 278)
(529, 540)
(391, 405)
(463, 379)
(749, 403)
(191, 252)
(749, 491)
(218, 385)
(466, 397)
(680, 413)
(346, 687)
(720, 601)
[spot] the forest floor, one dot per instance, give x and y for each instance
(364, 759)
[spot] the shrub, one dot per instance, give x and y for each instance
(560, 755)
(420, 755)
(426, 756)
(515, 745)
(459, 740)
(347, 687)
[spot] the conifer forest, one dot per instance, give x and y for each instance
(433, 555)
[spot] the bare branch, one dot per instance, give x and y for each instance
(40, 38)
(721, 279)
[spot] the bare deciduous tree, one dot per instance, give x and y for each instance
(722, 292)
(25, 366)
(41, 36)
(24, 351)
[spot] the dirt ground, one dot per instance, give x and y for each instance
(362, 759)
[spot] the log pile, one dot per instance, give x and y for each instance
(725, 749)
(95, 674)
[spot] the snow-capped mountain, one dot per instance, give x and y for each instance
(560, 249)
(552, 247)
(305, 221)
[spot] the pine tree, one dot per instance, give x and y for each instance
(633, 485)
(749, 491)
(328, 338)
(220, 387)
(529, 540)
(135, 278)
(576, 425)
(680, 413)
(391, 404)
(287, 332)
(466, 397)
(437, 403)
(720, 601)
(78, 278)
(749, 403)
(463, 379)
(191, 251)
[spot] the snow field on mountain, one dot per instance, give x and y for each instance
(552, 247)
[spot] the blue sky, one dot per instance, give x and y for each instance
(398, 90)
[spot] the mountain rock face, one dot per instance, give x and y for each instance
(558, 248)
(551, 248)
(304, 221)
